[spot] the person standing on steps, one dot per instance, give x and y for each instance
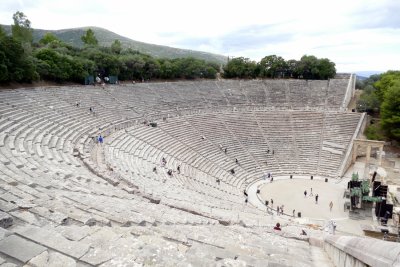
(316, 199)
(100, 139)
(311, 194)
(330, 206)
(305, 193)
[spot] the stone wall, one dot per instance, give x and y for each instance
(347, 161)
(349, 92)
(351, 251)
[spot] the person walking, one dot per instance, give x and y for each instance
(316, 199)
(330, 206)
(272, 203)
(311, 194)
(305, 193)
(294, 212)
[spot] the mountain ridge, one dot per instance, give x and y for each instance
(106, 37)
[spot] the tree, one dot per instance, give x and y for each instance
(272, 66)
(21, 30)
(292, 68)
(368, 101)
(54, 66)
(15, 64)
(2, 33)
(116, 47)
(386, 80)
(89, 38)
(49, 38)
(240, 67)
(326, 69)
(390, 111)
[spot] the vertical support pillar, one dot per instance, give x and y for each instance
(380, 156)
(368, 154)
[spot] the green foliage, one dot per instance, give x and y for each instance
(386, 80)
(374, 132)
(368, 101)
(309, 67)
(361, 84)
(272, 67)
(49, 38)
(15, 64)
(2, 33)
(325, 69)
(240, 67)
(21, 30)
(116, 47)
(390, 110)
(89, 38)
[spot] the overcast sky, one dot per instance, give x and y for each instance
(356, 35)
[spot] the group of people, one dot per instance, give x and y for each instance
(311, 194)
(279, 210)
(269, 176)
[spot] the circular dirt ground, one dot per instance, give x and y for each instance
(290, 193)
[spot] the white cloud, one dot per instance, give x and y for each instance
(357, 35)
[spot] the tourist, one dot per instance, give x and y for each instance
(245, 193)
(272, 179)
(330, 206)
(218, 181)
(311, 194)
(305, 193)
(178, 169)
(163, 161)
(272, 202)
(277, 210)
(236, 160)
(169, 172)
(282, 210)
(155, 170)
(303, 232)
(333, 227)
(277, 227)
(100, 139)
(232, 171)
(226, 150)
(294, 212)
(316, 199)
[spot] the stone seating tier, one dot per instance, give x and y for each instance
(67, 205)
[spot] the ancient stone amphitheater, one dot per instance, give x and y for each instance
(67, 201)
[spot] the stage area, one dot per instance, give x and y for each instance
(290, 193)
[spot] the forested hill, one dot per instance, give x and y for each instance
(106, 38)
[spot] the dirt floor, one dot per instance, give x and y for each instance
(290, 193)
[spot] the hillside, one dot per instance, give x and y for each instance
(106, 38)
